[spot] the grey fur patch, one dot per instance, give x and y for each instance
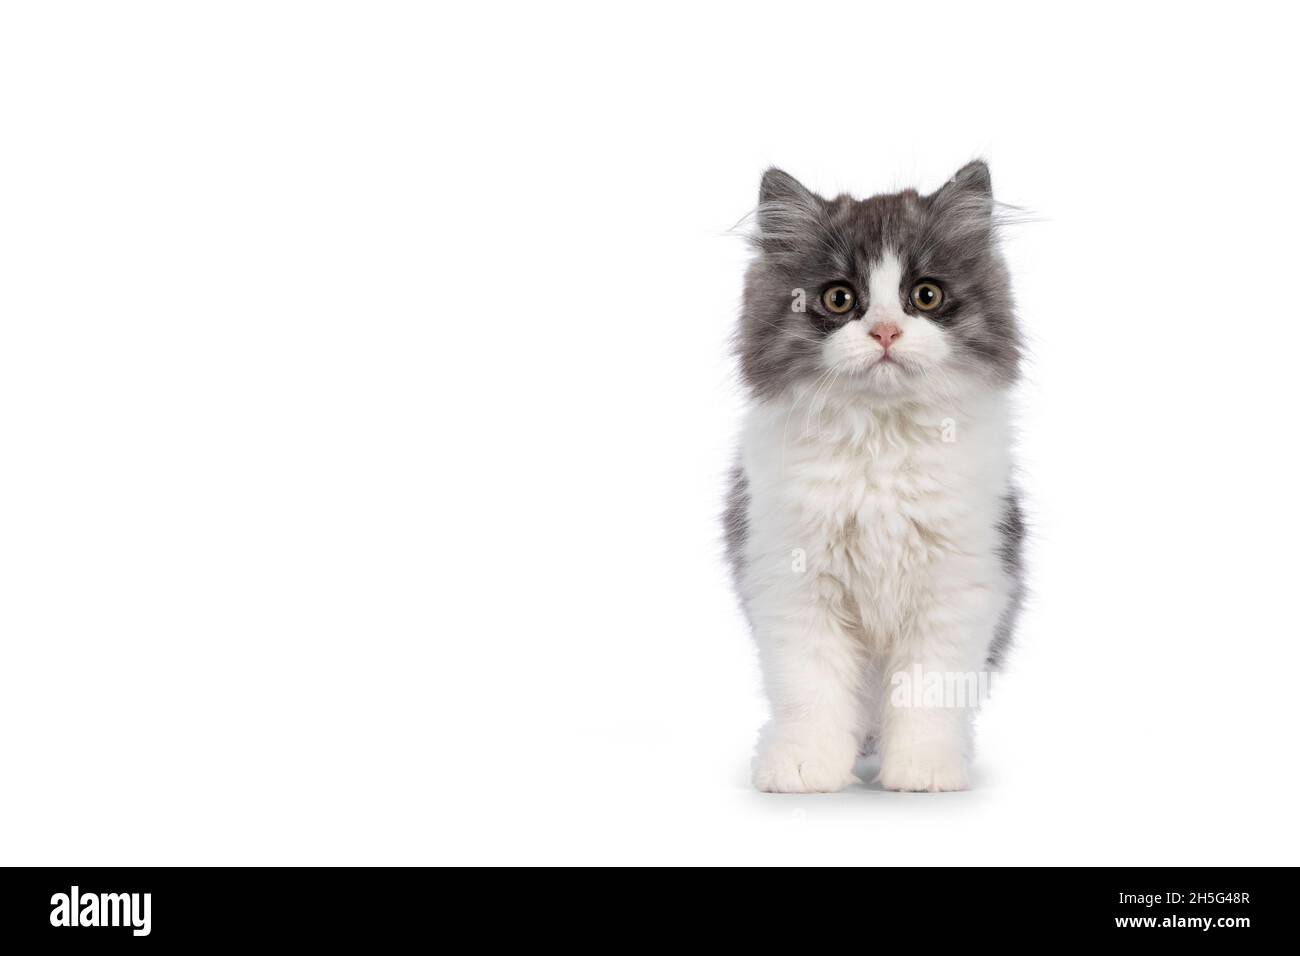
(804, 241)
(735, 522)
(1011, 550)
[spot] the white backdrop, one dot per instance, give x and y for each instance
(365, 405)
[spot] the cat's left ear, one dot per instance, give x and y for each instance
(966, 200)
(972, 179)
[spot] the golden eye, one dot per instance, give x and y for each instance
(838, 299)
(926, 296)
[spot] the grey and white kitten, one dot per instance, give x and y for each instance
(873, 529)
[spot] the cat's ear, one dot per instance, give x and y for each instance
(778, 187)
(965, 202)
(972, 179)
(787, 210)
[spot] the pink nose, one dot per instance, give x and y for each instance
(886, 333)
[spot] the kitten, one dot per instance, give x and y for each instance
(872, 527)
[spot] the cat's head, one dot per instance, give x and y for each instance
(901, 296)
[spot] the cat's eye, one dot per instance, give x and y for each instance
(926, 296)
(838, 299)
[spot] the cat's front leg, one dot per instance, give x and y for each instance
(933, 683)
(925, 749)
(813, 668)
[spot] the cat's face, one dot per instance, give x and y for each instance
(902, 296)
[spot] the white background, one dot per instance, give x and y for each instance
(365, 407)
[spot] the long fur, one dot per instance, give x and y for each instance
(872, 527)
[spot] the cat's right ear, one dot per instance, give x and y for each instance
(789, 215)
(782, 198)
(779, 186)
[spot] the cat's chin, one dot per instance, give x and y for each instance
(886, 379)
(906, 381)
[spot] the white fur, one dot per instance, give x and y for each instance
(875, 495)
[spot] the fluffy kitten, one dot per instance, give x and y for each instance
(872, 527)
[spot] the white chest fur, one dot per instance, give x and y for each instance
(874, 512)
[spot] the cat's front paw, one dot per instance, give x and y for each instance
(785, 767)
(924, 770)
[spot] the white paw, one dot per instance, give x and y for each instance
(790, 768)
(924, 770)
